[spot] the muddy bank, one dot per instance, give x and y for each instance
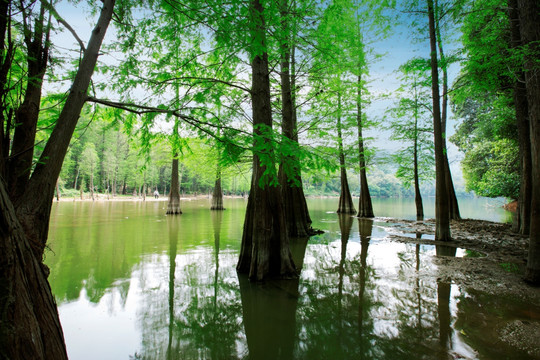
(495, 276)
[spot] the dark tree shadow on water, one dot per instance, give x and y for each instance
(269, 311)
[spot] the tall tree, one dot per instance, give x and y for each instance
(173, 205)
(523, 219)
(290, 177)
(411, 127)
(442, 218)
(265, 243)
(442, 8)
(529, 18)
(29, 320)
(345, 205)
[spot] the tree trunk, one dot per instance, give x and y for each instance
(442, 218)
(58, 189)
(529, 19)
(29, 323)
(26, 116)
(417, 194)
(265, 247)
(365, 208)
(173, 206)
(345, 205)
(217, 195)
(451, 193)
(290, 178)
(523, 218)
(33, 208)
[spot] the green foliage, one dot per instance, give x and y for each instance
(411, 124)
(484, 101)
(492, 169)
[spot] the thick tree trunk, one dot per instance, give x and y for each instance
(33, 208)
(523, 218)
(29, 323)
(345, 205)
(365, 208)
(26, 116)
(217, 195)
(290, 178)
(529, 18)
(173, 206)
(442, 218)
(451, 193)
(453, 204)
(265, 247)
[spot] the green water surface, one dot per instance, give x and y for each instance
(132, 283)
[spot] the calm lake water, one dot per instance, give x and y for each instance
(132, 283)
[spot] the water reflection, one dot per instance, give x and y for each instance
(365, 227)
(269, 311)
(117, 273)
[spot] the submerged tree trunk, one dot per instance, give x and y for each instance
(365, 208)
(290, 178)
(265, 247)
(523, 219)
(529, 19)
(173, 206)
(417, 194)
(346, 205)
(217, 195)
(442, 218)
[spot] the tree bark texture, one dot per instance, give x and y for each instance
(265, 250)
(365, 208)
(523, 218)
(29, 323)
(173, 205)
(417, 195)
(29, 318)
(452, 198)
(345, 205)
(34, 206)
(217, 195)
(290, 178)
(442, 218)
(529, 18)
(26, 116)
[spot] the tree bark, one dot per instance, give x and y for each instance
(290, 178)
(529, 19)
(173, 206)
(365, 208)
(26, 116)
(217, 195)
(442, 218)
(345, 205)
(30, 324)
(417, 194)
(265, 250)
(452, 198)
(33, 208)
(523, 218)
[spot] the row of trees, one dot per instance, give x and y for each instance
(179, 70)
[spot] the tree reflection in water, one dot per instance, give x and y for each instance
(203, 306)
